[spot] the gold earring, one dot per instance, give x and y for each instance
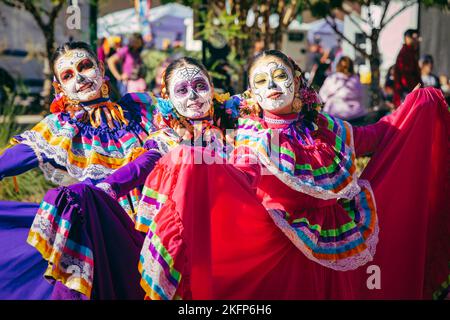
(211, 110)
(57, 87)
(105, 90)
(297, 103)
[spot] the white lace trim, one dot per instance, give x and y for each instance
(108, 189)
(297, 184)
(151, 268)
(68, 264)
(345, 264)
(146, 211)
(60, 156)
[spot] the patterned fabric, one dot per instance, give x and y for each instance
(69, 261)
(164, 141)
(88, 152)
(320, 163)
(160, 279)
(351, 242)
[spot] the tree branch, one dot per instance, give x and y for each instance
(386, 6)
(349, 15)
(55, 11)
(369, 14)
(13, 4)
(406, 6)
(348, 12)
(340, 34)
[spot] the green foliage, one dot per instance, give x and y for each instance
(152, 59)
(32, 187)
(32, 184)
(222, 26)
(8, 112)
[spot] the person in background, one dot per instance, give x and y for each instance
(389, 88)
(321, 62)
(426, 68)
(335, 54)
(101, 54)
(131, 78)
(445, 87)
(342, 93)
(406, 71)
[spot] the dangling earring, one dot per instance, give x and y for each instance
(211, 110)
(105, 91)
(57, 87)
(297, 103)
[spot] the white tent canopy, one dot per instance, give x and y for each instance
(326, 33)
(127, 21)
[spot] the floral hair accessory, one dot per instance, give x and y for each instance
(58, 104)
(221, 97)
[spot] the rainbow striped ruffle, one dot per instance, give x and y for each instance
(82, 151)
(159, 277)
(68, 261)
(323, 168)
(345, 246)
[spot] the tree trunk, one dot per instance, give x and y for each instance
(48, 76)
(375, 92)
(278, 37)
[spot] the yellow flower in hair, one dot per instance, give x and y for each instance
(221, 98)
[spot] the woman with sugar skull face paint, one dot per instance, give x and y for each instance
(315, 197)
(86, 138)
(290, 230)
(198, 119)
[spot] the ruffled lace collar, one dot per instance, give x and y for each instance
(278, 121)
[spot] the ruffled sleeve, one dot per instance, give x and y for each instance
(16, 160)
(320, 163)
(82, 151)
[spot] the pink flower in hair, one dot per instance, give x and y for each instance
(309, 96)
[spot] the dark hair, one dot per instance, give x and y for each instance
(175, 64)
(410, 32)
(427, 58)
(309, 114)
(136, 36)
(345, 65)
(72, 45)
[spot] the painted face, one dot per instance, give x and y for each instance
(190, 92)
(79, 74)
(272, 83)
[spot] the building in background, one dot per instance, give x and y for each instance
(22, 44)
(390, 40)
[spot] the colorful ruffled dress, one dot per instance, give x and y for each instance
(86, 231)
(304, 226)
(87, 145)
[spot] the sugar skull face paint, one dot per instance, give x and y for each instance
(272, 83)
(80, 76)
(190, 92)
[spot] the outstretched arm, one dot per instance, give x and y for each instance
(367, 138)
(16, 160)
(131, 175)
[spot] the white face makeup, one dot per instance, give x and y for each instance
(190, 92)
(272, 83)
(79, 75)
